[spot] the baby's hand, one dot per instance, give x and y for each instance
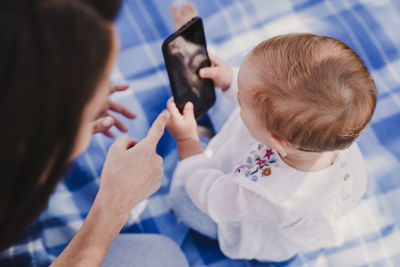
(219, 72)
(182, 127)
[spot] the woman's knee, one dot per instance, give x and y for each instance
(144, 250)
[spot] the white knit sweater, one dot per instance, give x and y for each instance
(265, 209)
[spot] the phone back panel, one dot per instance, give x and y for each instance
(185, 54)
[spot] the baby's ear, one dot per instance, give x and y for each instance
(280, 145)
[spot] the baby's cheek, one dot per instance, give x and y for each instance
(246, 122)
(267, 142)
(242, 117)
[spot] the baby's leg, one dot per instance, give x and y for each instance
(181, 16)
(188, 213)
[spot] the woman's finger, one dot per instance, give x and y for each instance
(119, 87)
(103, 124)
(108, 133)
(124, 142)
(157, 129)
(118, 124)
(114, 106)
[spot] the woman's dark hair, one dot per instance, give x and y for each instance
(108, 9)
(53, 54)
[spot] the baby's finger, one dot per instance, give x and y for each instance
(208, 72)
(215, 61)
(188, 110)
(171, 106)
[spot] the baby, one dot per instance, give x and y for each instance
(285, 167)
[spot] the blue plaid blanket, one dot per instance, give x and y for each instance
(232, 28)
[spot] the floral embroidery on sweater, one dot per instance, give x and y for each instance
(258, 163)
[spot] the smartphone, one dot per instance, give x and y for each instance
(185, 53)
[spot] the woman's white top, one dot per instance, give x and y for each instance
(265, 209)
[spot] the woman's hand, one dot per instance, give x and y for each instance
(219, 72)
(132, 170)
(182, 127)
(106, 120)
(130, 174)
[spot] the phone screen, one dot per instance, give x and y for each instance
(185, 54)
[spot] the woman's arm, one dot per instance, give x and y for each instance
(130, 174)
(90, 244)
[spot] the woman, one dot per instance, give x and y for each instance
(55, 62)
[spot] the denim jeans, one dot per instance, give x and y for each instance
(144, 250)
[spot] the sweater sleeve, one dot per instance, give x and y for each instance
(224, 197)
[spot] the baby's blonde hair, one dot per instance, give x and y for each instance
(312, 91)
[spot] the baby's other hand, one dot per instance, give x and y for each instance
(219, 72)
(182, 127)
